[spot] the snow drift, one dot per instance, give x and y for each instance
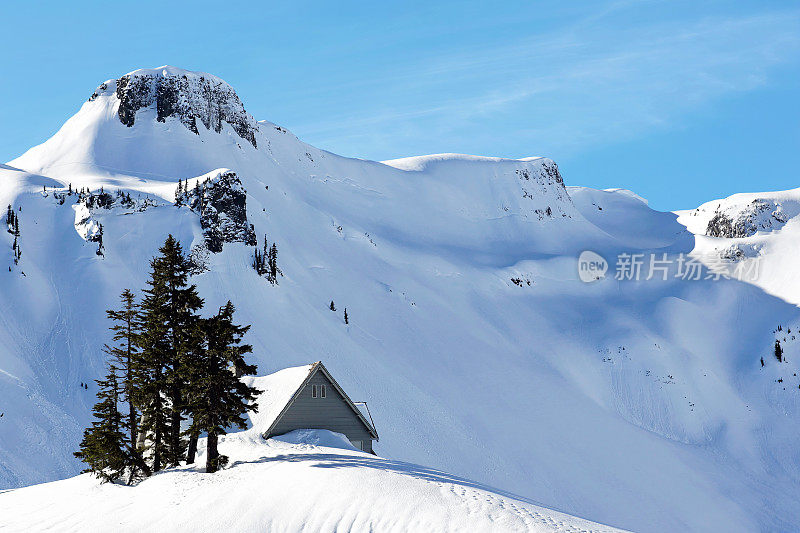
(304, 481)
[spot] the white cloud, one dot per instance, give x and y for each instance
(593, 82)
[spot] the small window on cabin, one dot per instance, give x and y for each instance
(313, 391)
(322, 392)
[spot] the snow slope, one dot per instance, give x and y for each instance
(638, 404)
(305, 481)
(761, 230)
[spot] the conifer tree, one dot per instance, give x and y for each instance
(99, 239)
(258, 262)
(778, 351)
(346, 318)
(184, 321)
(103, 446)
(171, 321)
(272, 265)
(261, 260)
(179, 194)
(218, 398)
(150, 367)
(332, 306)
(125, 325)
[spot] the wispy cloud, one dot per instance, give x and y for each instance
(595, 81)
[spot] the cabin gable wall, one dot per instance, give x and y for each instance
(331, 413)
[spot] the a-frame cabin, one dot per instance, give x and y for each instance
(309, 398)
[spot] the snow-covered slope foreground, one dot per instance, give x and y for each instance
(304, 481)
(641, 404)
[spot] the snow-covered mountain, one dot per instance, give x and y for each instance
(641, 404)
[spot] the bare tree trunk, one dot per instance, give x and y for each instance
(192, 451)
(212, 454)
(175, 450)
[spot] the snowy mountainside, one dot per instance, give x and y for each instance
(758, 231)
(637, 404)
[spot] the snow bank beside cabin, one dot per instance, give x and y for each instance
(286, 484)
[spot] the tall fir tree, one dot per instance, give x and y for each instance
(183, 320)
(218, 398)
(151, 366)
(125, 351)
(174, 305)
(103, 447)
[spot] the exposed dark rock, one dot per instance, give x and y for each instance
(721, 225)
(547, 177)
(222, 204)
(188, 97)
(745, 221)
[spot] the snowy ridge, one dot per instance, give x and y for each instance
(304, 481)
(638, 404)
(420, 162)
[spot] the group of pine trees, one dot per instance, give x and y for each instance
(185, 196)
(265, 262)
(182, 192)
(167, 365)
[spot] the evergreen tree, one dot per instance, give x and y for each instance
(103, 446)
(332, 306)
(171, 323)
(778, 351)
(179, 194)
(272, 265)
(218, 398)
(261, 259)
(99, 239)
(346, 318)
(125, 325)
(150, 366)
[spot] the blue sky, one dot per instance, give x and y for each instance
(680, 101)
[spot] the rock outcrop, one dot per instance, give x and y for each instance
(221, 201)
(745, 221)
(191, 97)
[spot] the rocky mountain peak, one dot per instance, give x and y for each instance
(191, 97)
